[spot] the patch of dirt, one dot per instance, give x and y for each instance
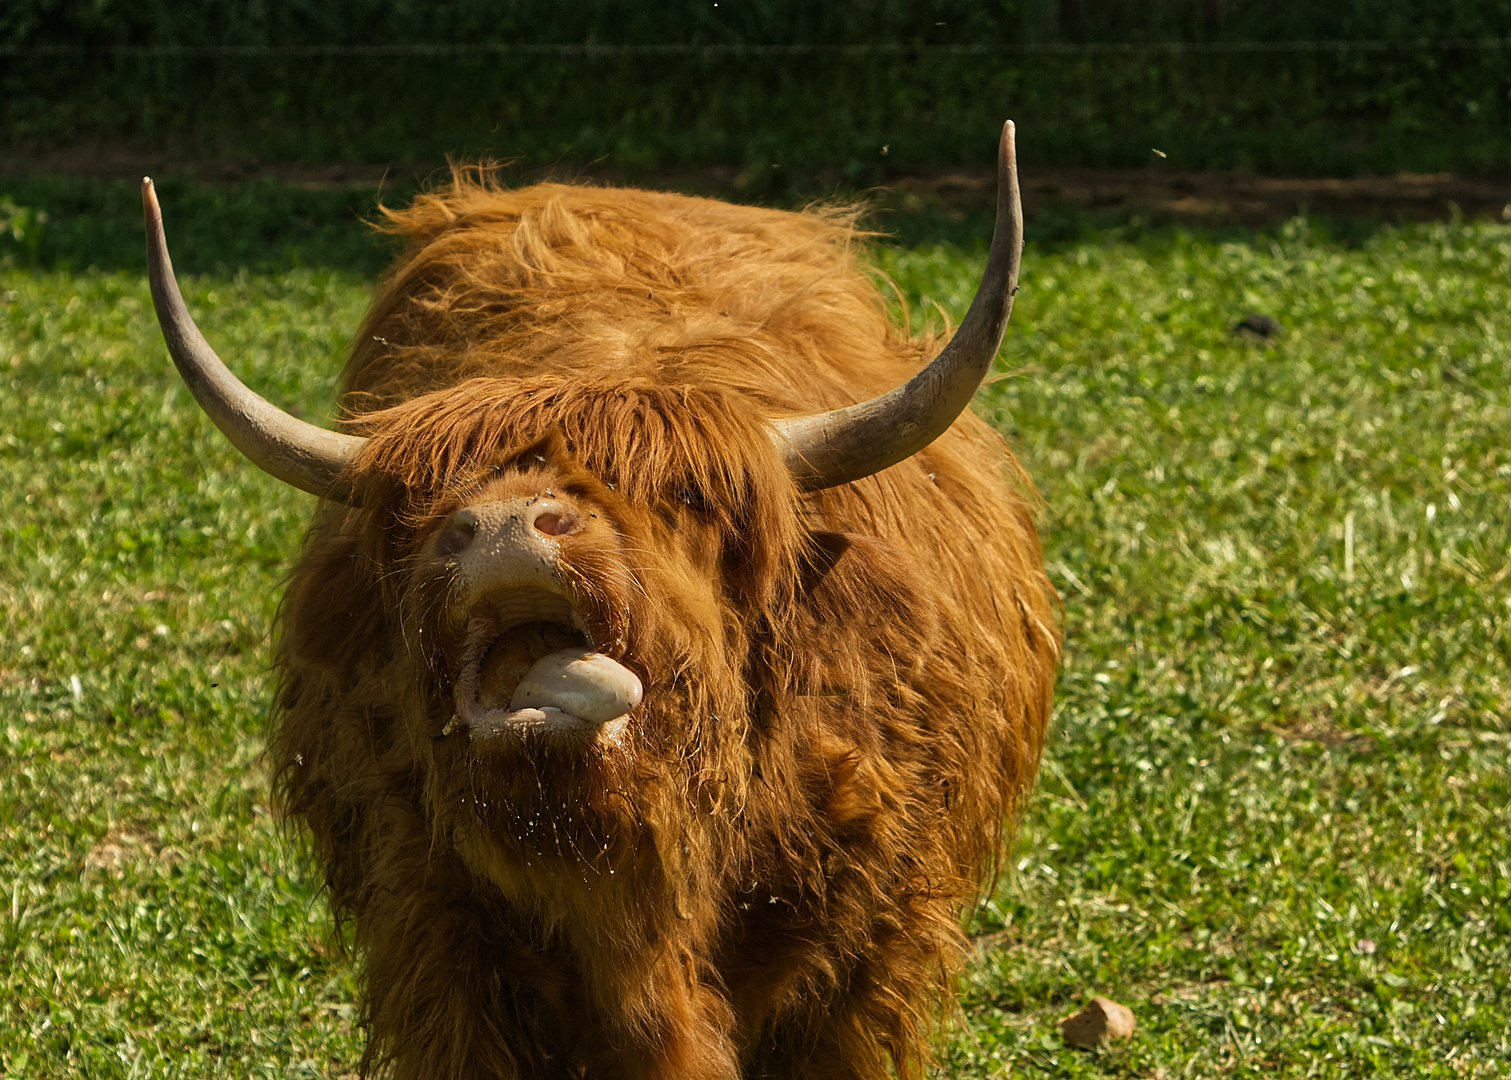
(1206, 198)
(1224, 197)
(1321, 729)
(124, 846)
(107, 162)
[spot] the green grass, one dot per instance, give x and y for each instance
(1273, 815)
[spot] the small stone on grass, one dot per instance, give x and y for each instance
(1101, 1019)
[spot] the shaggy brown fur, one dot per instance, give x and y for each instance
(845, 692)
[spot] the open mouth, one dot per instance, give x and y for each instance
(528, 664)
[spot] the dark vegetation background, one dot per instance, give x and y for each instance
(864, 89)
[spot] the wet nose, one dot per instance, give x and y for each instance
(544, 516)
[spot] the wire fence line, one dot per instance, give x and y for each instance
(592, 50)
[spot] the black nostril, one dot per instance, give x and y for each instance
(458, 533)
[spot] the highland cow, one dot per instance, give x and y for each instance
(670, 648)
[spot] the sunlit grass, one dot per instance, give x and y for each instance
(1274, 818)
(152, 922)
(1273, 815)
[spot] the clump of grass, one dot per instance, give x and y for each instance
(1272, 815)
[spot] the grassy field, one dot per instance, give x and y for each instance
(1273, 818)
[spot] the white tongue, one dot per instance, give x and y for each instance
(587, 684)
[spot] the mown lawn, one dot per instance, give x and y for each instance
(1273, 818)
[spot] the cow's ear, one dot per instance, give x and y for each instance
(861, 609)
(824, 551)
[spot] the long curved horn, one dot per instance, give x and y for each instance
(830, 448)
(309, 457)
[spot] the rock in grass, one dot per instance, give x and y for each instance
(1101, 1019)
(1255, 325)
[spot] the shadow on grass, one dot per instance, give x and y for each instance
(269, 225)
(262, 225)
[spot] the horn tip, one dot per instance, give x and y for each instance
(149, 196)
(1007, 157)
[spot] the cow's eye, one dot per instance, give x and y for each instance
(691, 496)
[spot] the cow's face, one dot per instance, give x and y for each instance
(576, 578)
(523, 588)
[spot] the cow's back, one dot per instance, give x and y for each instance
(617, 283)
